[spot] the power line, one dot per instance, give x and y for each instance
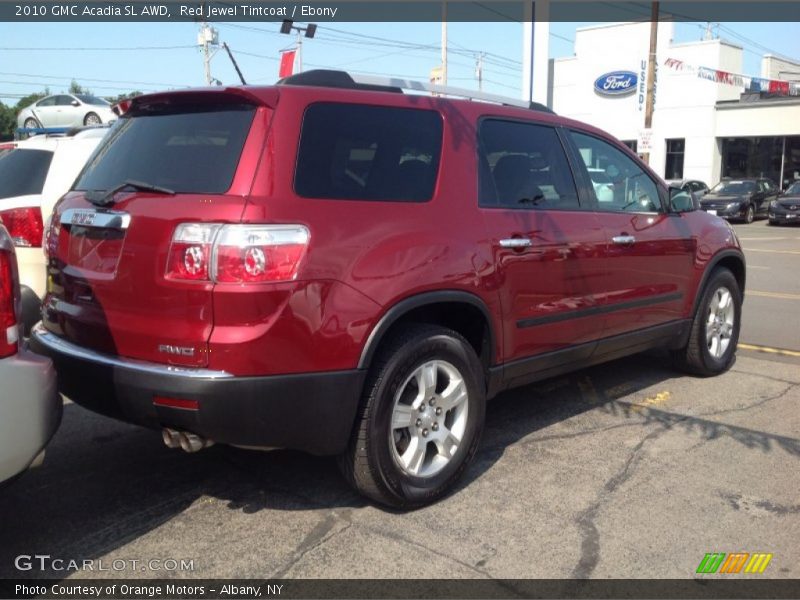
(131, 48)
(91, 79)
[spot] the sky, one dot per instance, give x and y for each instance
(114, 58)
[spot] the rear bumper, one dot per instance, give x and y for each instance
(313, 412)
(30, 410)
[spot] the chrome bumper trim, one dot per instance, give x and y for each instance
(58, 345)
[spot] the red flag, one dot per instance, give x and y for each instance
(287, 64)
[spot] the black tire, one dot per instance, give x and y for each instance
(31, 123)
(773, 222)
(369, 463)
(92, 119)
(695, 357)
(750, 215)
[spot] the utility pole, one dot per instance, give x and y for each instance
(208, 37)
(444, 43)
(479, 70)
(651, 75)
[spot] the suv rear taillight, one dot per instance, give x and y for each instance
(9, 330)
(24, 226)
(236, 253)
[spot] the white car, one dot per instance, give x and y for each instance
(65, 111)
(33, 176)
(30, 406)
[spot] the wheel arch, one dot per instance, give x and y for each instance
(734, 261)
(461, 311)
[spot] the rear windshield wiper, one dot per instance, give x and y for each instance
(104, 198)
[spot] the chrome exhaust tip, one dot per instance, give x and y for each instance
(191, 442)
(172, 438)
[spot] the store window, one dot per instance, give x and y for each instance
(675, 151)
(752, 157)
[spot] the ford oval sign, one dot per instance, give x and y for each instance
(616, 83)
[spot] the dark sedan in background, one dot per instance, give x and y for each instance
(740, 199)
(786, 209)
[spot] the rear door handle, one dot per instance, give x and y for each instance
(515, 243)
(623, 240)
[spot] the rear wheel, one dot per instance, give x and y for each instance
(92, 119)
(715, 328)
(420, 419)
(750, 214)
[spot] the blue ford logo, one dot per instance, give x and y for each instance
(616, 83)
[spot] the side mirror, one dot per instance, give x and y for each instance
(75, 103)
(681, 201)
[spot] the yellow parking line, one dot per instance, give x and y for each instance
(772, 251)
(778, 295)
(769, 350)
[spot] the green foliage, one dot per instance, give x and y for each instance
(8, 122)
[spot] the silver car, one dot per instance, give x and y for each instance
(64, 111)
(30, 407)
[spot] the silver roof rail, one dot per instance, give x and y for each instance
(421, 86)
(331, 78)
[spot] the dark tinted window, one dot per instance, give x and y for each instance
(357, 152)
(23, 172)
(524, 166)
(51, 101)
(86, 99)
(64, 100)
(192, 151)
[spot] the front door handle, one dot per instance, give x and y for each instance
(516, 243)
(624, 240)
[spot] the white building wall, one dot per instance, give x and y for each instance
(685, 104)
(773, 67)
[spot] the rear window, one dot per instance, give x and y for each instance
(358, 152)
(194, 151)
(23, 172)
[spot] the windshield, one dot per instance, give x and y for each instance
(22, 172)
(794, 189)
(734, 187)
(86, 99)
(194, 151)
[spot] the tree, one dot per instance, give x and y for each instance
(8, 122)
(76, 88)
(31, 98)
(121, 97)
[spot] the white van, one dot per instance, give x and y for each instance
(34, 174)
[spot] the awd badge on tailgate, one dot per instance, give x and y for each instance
(176, 350)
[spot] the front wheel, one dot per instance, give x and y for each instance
(420, 419)
(750, 214)
(715, 327)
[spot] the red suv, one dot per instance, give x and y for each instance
(350, 270)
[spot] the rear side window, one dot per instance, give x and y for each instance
(523, 165)
(358, 152)
(23, 172)
(195, 150)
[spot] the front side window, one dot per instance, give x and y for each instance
(93, 100)
(64, 100)
(189, 149)
(523, 165)
(619, 183)
(360, 152)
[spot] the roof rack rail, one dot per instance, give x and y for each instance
(342, 79)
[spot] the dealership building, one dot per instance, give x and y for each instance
(701, 129)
